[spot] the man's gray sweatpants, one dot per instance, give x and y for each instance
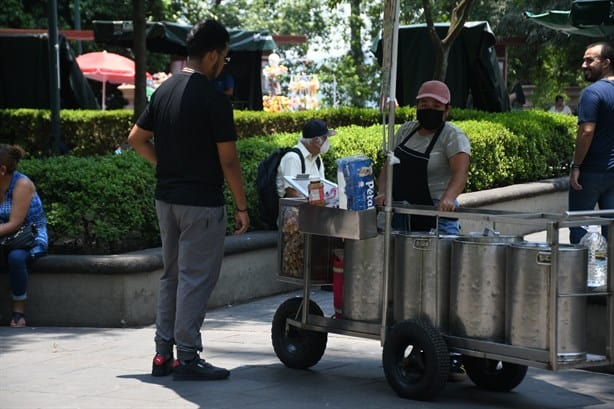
(192, 251)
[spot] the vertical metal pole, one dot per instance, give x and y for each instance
(306, 276)
(390, 47)
(609, 346)
(140, 57)
(78, 25)
(553, 304)
(54, 75)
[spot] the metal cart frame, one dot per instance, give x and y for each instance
(358, 225)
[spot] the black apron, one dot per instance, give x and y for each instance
(410, 183)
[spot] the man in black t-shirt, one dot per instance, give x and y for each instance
(194, 151)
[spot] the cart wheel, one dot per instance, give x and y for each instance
(492, 374)
(297, 348)
(416, 360)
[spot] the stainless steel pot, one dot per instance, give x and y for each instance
(528, 284)
(477, 286)
(422, 277)
(363, 279)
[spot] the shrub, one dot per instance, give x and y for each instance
(350, 140)
(92, 132)
(84, 132)
(96, 205)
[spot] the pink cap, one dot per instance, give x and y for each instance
(436, 90)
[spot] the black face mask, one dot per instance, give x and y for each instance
(430, 118)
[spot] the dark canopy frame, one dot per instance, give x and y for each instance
(473, 75)
(24, 74)
(589, 18)
(246, 48)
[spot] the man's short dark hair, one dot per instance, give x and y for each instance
(205, 36)
(607, 51)
(559, 98)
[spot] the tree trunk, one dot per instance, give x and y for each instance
(356, 42)
(442, 47)
(140, 57)
(355, 33)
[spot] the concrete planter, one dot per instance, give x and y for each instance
(122, 289)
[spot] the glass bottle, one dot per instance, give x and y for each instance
(316, 192)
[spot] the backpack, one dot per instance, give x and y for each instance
(266, 183)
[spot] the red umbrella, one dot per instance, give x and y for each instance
(107, 67)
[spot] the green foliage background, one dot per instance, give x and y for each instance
(100, 204)
(536, 55)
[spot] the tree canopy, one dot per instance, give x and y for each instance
(348, 72)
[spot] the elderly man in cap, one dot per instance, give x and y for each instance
(434, 162)
(312, 143)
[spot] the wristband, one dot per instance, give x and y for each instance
(241, 210)
(575, 166)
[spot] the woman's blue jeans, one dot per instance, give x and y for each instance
(446, 226)
(597, 188)
(17, 266)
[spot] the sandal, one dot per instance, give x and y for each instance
(18, 320)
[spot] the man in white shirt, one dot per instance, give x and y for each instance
(559, 106)
(312, 143)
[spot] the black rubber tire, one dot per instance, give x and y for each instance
(421, 373)
(494, 375)
(297, 348)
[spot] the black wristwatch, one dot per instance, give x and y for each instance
(575, 166)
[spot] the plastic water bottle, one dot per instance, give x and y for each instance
(597, 259)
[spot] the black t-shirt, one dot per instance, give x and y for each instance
(188, 117)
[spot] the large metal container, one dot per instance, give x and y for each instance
(422, 277)
(477, 286)
(528, 284)
(363, 279)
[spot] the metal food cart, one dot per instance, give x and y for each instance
(500, 302)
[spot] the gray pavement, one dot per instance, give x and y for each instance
(109, 368)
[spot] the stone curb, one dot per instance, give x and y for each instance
(142, 260)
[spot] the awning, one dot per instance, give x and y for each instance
(24, 74)
(473, 68)
(169, 38)
(590, 18)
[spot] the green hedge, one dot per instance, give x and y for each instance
(91, 132)
(98, 205)
(85, 132)
(104, 203)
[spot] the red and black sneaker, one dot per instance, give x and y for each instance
(162, 365)
(198, 369)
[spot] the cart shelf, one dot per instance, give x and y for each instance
(340, 223)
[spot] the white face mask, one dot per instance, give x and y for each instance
(325, 146)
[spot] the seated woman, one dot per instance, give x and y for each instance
(20, 205)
